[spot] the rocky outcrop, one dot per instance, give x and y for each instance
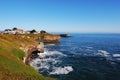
(31, 50)
(29, 55)
(65, 35)
(51, 38)
(40, 47)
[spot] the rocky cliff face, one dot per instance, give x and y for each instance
(51, 38)
(11, 55)
(36, 46)
(31, 52)
(29, 43)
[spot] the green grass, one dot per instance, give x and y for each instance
(11, 64)
(19, 53)
(15, 67)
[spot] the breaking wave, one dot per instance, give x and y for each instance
(109, 56)
(49, 62)
(50, 45)
(62, 70)
(104, 53)
(116, 55)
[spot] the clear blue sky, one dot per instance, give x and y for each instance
(81, 16)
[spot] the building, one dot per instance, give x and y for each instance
(18, 31)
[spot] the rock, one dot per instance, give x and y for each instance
(29, 55)
(34, 48)
(40, 47)
(65, 35)
(51, 38)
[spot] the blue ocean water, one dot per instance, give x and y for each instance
(82, 57)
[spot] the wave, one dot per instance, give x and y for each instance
(49, 61)
(62, 70)
(103, 52)
(116, 55)
(50, 53)
(50, 45)
(109, 56)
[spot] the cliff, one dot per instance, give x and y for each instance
(13, 48)
(50, 38)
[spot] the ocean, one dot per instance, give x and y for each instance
(81, 57)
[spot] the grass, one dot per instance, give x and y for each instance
(11, 64)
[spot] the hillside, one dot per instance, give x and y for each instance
(12, 51)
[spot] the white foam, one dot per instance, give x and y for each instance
(51, 53)
(43, 63)
(44, 60)
(116, 55)
(105, 53)
(50, 45)
(62, 70)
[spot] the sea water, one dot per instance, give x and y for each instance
(81, 57)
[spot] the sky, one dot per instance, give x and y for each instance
(78, 16)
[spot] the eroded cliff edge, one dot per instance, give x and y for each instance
(13, 48)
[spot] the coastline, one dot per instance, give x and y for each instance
(15, 48)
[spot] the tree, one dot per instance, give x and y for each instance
(14, 28)
(33, 31)
(42, 31)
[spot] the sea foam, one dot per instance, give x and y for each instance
(103, 52)
(50, 45)
(116, 55)
(62, 70)
(48, 60)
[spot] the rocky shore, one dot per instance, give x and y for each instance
(31, 51)
(16, 48)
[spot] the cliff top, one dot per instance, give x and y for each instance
(11, 64)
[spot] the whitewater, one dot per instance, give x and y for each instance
(81, 57)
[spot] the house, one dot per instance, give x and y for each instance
(27, 32)
(18, 31)
(8, 31)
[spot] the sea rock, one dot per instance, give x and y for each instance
(64, 35)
